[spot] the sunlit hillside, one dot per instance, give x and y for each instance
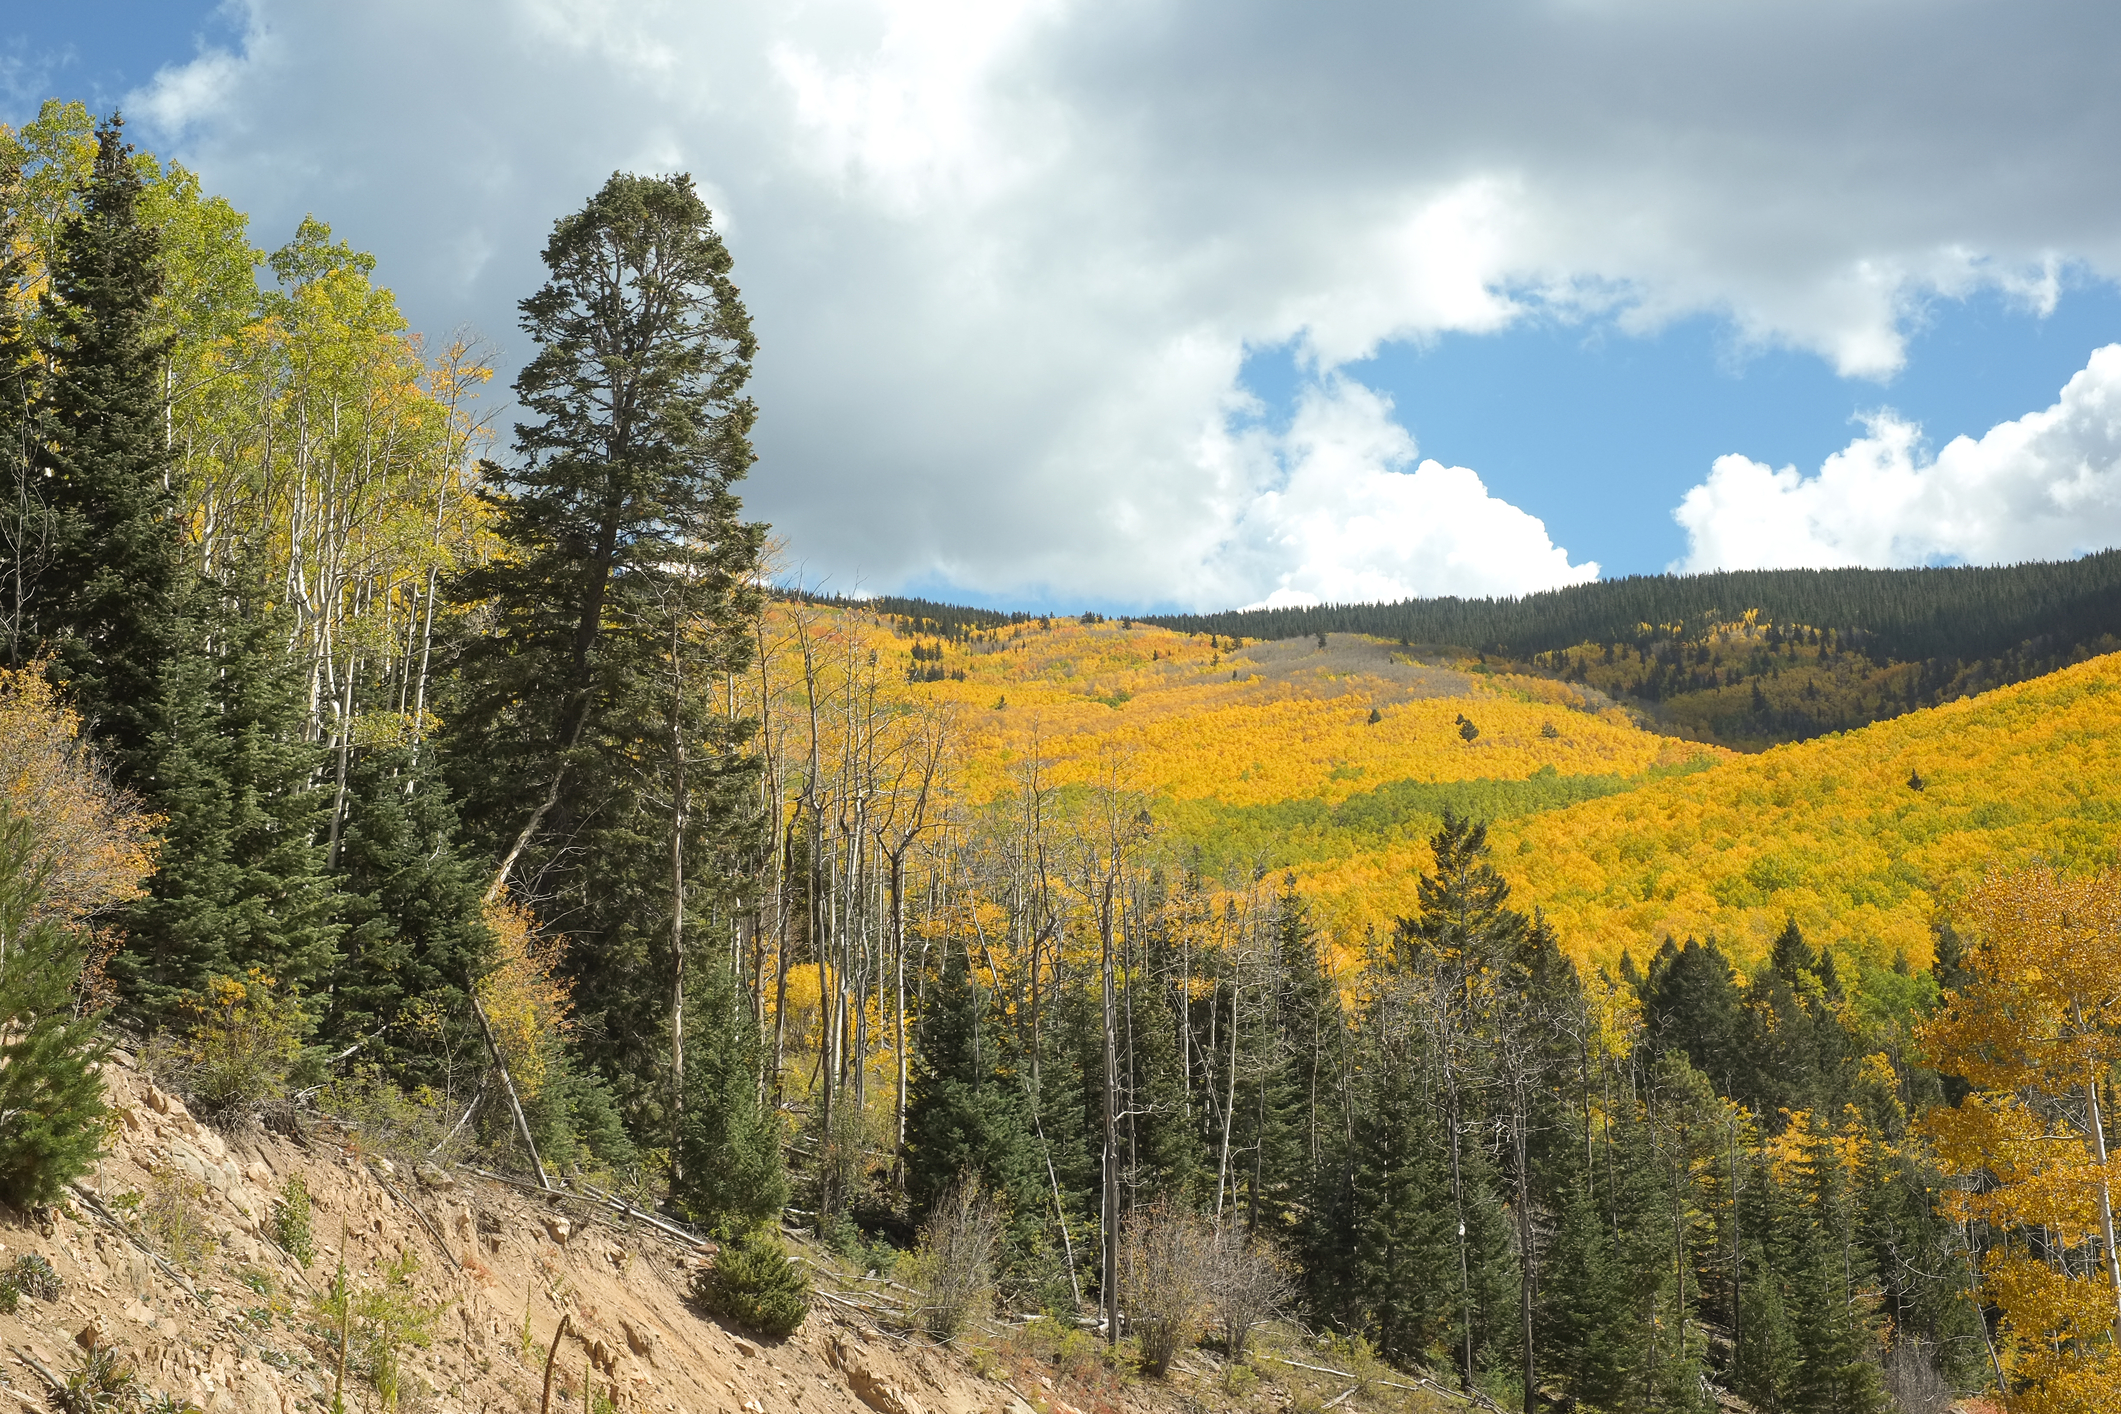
(1836, 833)
(1192, 718)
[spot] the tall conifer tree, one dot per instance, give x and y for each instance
(592, 765)
(107, 598)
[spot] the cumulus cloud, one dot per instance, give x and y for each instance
(1351, 524)
(2044, 486)
(1005, 259)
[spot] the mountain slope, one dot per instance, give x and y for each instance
(1831, 832)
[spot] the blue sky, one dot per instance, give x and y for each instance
(1555, 415)
(1074, 302)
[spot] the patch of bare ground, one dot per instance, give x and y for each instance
(238, 1326)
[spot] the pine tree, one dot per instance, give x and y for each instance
(967, 1113)
(730, 1174)
(415, 936)
(51, 1089)
(107, 598)
(1691, 1001)
(240, 882)
(1396, 1275)
(583, 742)
(1586, 1324)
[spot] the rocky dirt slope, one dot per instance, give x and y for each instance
(235, 1333)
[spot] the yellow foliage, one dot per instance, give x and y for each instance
(526, 1001)
(97, 845)
(2037, 1033)
(1829, 832)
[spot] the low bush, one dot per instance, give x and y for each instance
(953, 1268)
(32, 1275)
(754, 1284)
(99, 1382)
(289, 1223)
(174, 1218)
(366, 1330)
(1167, 1261)
(244, 1039)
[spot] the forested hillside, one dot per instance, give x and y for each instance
(1758, 656)
(1162, 982)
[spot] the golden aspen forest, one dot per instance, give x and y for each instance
(1682, 993)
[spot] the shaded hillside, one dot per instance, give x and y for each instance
(1963, 612)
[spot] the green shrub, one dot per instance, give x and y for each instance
(754, 1284)
(367, 1329)
(31, 1275)
(290, 1221)
(99, 1382)
(174, 1218)
(245, 1037)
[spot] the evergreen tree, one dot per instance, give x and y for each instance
(730, 1174)
(240, 881)
(1395, 1273)
(967, 1113)
(1164, 1145)
(584, 742)
(51, 1090)
(415, 936)
(1691, 1001)
(1803, 1051)
(107, 598)
(1586, 1324)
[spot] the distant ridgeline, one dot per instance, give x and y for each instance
(1747, 657)
(1752, 657)
(919, 616)
(1901, 615)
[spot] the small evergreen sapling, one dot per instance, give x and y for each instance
(754, 1284)
(51, 1094)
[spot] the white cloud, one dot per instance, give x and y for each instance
(1005, 259)
(1351, 525)
(2045, 486)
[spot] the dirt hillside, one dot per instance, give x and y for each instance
(233, 1332)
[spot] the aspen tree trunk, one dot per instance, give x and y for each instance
(1111, 1167)
(677, 934)
(2106, 1201)
(898, 1014)
(338, 800)
(1458, 1202)
(1527, 1264)
(1222, 1162)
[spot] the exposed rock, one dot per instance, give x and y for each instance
(558, 1229)
(871, 1378)
(641, 1338)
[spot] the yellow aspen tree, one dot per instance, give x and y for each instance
(2036, 1035)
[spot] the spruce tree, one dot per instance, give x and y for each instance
(106, 600)
(1585, 1324)
(583, 741)
(415, 937)
(51, 1089)
(967, 1114)
(241, 881)
(730, 1174)
(1397, 1274)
